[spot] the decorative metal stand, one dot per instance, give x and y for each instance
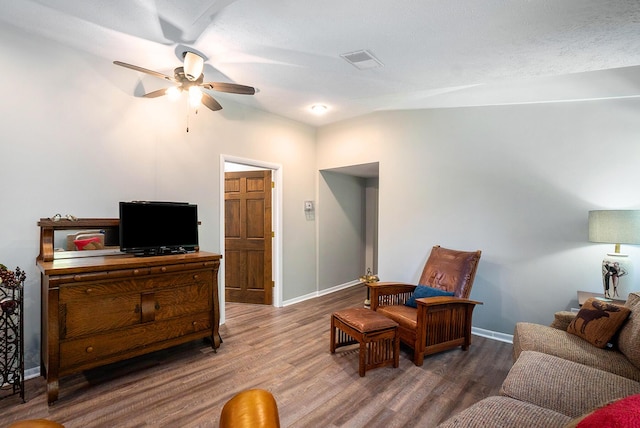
(368, 278)
(11, 333)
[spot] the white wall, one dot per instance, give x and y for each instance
(341, 229)
(371, 225)
(74, 140)
(514, 181)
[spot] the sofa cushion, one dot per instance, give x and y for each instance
(563, 386)
(629, 337)
(597, 321)
(424, 291)
(548, 340)
(505, 412)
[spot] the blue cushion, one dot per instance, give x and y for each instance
(424, 291)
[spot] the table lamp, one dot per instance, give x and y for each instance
(614, 227)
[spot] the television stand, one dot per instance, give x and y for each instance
(104, 309)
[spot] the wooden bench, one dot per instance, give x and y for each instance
(376, 334)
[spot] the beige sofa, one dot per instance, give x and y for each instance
(558, 377)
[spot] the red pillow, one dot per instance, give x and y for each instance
(622, 413)
(84, 244)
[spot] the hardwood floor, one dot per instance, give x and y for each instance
(287, 354)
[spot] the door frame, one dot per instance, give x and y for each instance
(276, 218)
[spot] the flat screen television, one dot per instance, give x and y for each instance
(157, 228)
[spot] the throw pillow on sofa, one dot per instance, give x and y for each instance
(598, 321)
(424, 291)
(620, 413)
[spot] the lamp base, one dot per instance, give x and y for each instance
(614, 266)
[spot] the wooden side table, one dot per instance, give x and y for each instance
(584, 295)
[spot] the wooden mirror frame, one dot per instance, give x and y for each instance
(48, 227)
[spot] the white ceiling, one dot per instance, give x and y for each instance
(436, 53)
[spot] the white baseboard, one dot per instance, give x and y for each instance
(495, 335)
(31, 373)
(321, 293)
(338, 288)
(299, 299)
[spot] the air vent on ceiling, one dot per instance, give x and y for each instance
(362, 59)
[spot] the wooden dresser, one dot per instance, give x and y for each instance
(103, 309)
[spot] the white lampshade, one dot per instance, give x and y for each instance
(615, 226)
(193, 65)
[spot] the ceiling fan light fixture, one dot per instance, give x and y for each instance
(319, 109)
(195, 96)
(190, 78)
(193, 65)
(173, 93)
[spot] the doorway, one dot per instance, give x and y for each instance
(272, 261)
(347, 224)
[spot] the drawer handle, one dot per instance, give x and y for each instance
(89, 349)
(89, 290)
(136, 271)
(77, 278)
(157, 306)
(196, 276)
(195, 323)
(137, 309)
(163, 269)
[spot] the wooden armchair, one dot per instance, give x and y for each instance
(438, 323)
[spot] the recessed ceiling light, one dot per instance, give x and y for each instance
(319, 109)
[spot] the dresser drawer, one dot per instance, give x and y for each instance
(77, 354)
(89, 313)
(95, 314)
(183, 300)
(82, 290)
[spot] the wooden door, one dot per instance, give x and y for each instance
(247, 258)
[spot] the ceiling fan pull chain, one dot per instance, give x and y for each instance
(187, 116)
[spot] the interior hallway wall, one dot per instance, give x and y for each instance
(341, 227)
(371, 224)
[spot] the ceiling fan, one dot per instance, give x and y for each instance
(190, 78)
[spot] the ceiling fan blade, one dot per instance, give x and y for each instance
(232, 88)
(144, 70)
(211, 103)
(156, 94)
